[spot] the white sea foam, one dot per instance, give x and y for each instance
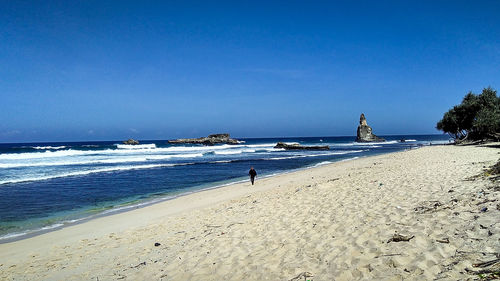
(261, 145)
(49, 147)
(234, 151)
(99, 160)
(13, 235)
(363, 143)
(19, 234)
(51, 154)
(322, 163)
(212, 148)
(87, 172)
(330, 162)
(313, 155)
(145, 153)
(72, 152)
(125, 150)
(269, 150)
(136, 146)
(74, 220)
(161, 157)
(45, 154)
(437, 142)
(349, 159)
(228, 152)
(135, 167)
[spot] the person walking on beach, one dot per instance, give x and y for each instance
(252, 173)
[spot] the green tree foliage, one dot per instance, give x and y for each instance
(476, 118)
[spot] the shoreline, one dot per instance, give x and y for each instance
(183, 196)
(30, 233)
(13, 237)
(334, 221)
(162, 200)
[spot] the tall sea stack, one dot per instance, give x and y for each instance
(365, 132)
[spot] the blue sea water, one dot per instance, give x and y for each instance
(46, 186)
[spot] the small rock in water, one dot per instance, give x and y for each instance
(296, 146)
(157, 244)
(131, 142)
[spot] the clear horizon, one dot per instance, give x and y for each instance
(97, 70)
(236, 137)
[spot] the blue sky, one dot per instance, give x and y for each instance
(109, 70)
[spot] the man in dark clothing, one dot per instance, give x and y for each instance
(252, 173)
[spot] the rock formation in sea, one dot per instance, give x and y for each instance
(131, 141)
(296, 146)
(210, 140)
(365, 132)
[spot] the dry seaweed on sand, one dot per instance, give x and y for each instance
(400, 238)
(495, 169)
(494, 172)
(486, 263)
(489, 270)
(486, 274)
(444, 240)
(430, 206)
(304, 275)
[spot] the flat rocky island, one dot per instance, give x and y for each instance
(296, 146)
(210, 140)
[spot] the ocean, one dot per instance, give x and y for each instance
(46, 186)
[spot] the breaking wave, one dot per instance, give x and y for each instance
(49, 147)
(144, 166)
(364, 143)
(136, 146)
(99, 161)
(87, 172)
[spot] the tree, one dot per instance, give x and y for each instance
(476, 118)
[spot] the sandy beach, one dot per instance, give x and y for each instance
(333, 222)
